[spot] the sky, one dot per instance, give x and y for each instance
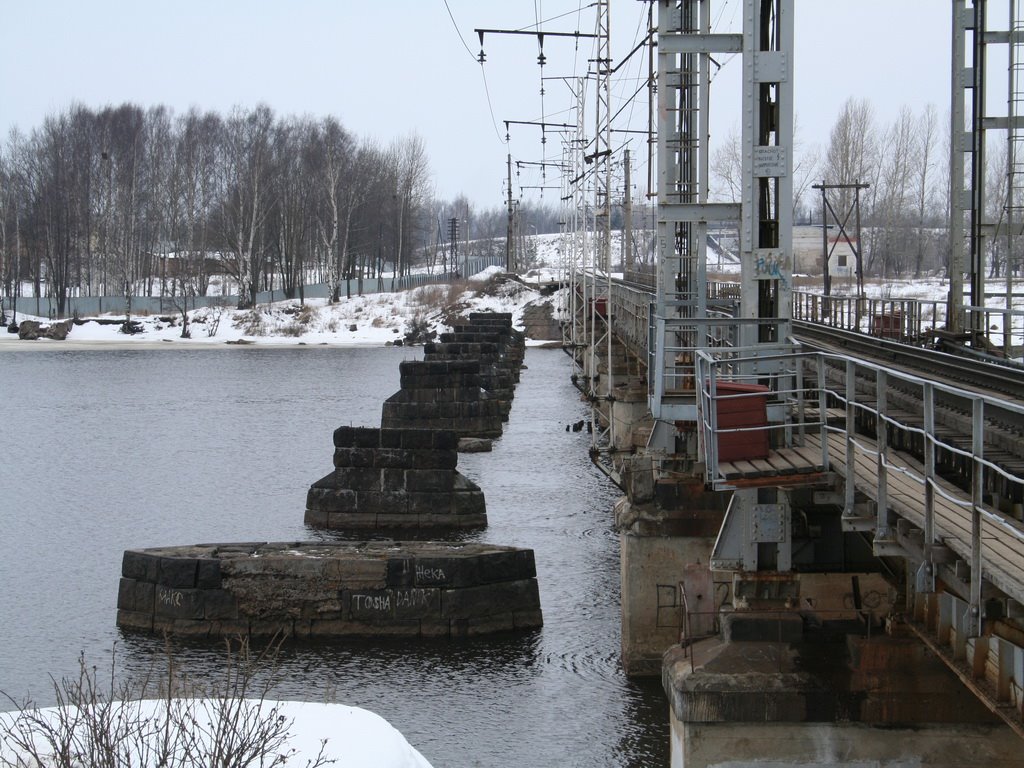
(388, 70)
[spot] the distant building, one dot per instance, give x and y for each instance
(808, 256)
(172, 265)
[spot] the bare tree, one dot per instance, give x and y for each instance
(727, 169)
(244, 191)
(130, 202)
(927, 135)
(996, 190)
(852, 147)
(195, 171)
(332, 159)
(806, 168)
(8, 201)
(412, 175)
(892, 195)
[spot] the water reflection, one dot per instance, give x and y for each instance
(129, 449)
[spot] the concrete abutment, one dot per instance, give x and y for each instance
(843, 700)
(662, 548)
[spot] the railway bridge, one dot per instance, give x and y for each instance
(822, 543)
(824, 530)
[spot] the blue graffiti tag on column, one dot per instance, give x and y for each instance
(772, 266)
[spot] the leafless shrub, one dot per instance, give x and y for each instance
(251, 323)
(110, 725)
(419, 331)
(212, 319)
(303, 317)
(431, 296)
(455, 291)
(304, 314)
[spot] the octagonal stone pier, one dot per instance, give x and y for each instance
(312, 589)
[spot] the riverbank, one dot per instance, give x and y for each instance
(373, 320)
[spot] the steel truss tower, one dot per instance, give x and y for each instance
(689, 317)
(687, 311)
(980, 225)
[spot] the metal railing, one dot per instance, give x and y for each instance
(1003, 327)
(887, 417)
(757, 387)
(912, 321)
(676, 374)
(631, 310)
(907, 320)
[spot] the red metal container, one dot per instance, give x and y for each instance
(748, 411)
(888, 325)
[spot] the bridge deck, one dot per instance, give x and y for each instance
(1002, 537)
(789, 466)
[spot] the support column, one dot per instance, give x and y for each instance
(666, 532)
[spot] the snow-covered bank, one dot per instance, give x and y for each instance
(351, 737)
(370, 320)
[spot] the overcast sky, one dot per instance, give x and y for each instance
(388, 68)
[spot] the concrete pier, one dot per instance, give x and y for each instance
(825, 697)
(666, 534)
(442, 394)
(496, 373)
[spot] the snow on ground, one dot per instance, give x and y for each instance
(355, 738)
(387, 318)
(369, 320)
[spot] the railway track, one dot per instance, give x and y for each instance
(987, 378)
(1000, 380)
(1004, 427)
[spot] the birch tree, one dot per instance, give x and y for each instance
(927, 136)
(289, 225)
(330, 160)
(893, 194)
(244, 190)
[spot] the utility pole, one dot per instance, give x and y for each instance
(453, 239)
(509, 245)
(826, 252)
(627, 218)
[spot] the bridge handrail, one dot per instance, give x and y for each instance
(717, 367)
(893, 318)
(907, 320)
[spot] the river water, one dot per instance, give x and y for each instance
(101, 451)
